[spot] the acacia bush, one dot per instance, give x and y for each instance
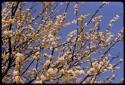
(35, 51)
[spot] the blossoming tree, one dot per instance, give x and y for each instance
(34, 51)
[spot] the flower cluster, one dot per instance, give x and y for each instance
(119, 35)
(16, 72)
(80, 19)
(8, 33)
(105, 38)
(72, 35)
(97, 18)
(50, 41)
(112, 21)
(75, 9)
(102, 66)
(59, 23)
(19, 58)
(72, 74)
(47, 56)
(37, 55)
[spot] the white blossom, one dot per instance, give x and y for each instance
(15, 73)
(8, 33)
(19, 57)
(37, 55)
(43, 78)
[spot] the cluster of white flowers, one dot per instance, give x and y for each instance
(72, 74)
(80, 37)
(43, 78)
(75, 9)
(112, 21)
(48, 57)
(120, 35)
(62, 71)
(72, 35)
(106, 38)
(49, 74)
(86, 55)
(63, 59)
(52, 38)
(109, 67)
(60, 19)
(97, 18)
(19, 79)
(93, 70)
(83, 17)
(109, 37)
(96, 27)
(52, 71)
(16, 74)
(50, 41)
(79, 72)
(110, 79)
(94, 37)
(100, 67)
(37, 55)
(19, 58)
(80, 19)
(48, 23)
(46, 64)
(11, 21)
(8, 33)
(67, 55)
(7, 22)
(38, 82)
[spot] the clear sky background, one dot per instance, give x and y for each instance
(108, 11)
